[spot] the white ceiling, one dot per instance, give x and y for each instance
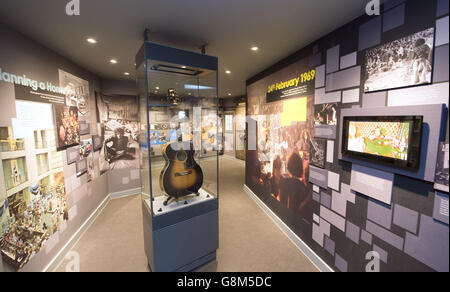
(229, 27)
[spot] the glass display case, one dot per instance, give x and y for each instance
(179, 156)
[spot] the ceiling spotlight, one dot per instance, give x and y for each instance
(228, 71)
(126, 73)
(91, 41)
(157, 87)
(113, 61)
(229, 94)
(255, 48)
(183, 67)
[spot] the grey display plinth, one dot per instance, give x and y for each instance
(183, 246)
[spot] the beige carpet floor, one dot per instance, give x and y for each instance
(249, 240)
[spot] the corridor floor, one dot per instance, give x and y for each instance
(249, 240)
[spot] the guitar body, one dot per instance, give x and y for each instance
(181, 175)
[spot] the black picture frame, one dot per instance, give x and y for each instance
(414, 142)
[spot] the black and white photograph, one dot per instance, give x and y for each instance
(441, 178)
(76, 91)
(121, 144)
(402, 63)
(318, 150)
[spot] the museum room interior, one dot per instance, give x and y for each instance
(224, 136)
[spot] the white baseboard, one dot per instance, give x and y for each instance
(59, 258)
(303, 247)
(125, 193)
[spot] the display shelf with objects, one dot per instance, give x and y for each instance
(179, 120)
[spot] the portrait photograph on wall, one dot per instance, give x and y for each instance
(405, 62)
(120, 132)
(67, 126)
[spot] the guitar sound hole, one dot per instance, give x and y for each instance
(181, 156)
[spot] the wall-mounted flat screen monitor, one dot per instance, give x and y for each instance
(391, 140)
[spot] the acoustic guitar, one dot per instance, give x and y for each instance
(181, 175)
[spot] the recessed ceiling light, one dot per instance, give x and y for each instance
(228, 71)
(113, 61)
(126, 73)
(91, 40)
(255, 48)
(229, 94)
(184, 67)
(157, 87)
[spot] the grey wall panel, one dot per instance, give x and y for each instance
(333, 218)
(325, 131)
(442, 7)
(441, 31)
(320, 76)
(320, 97)
(371, 182)
(330, 245)
(406, 218)
(440, 209)
(119, 87)
(431, 245)
(344, 79)
(380, 214)
(325, 200)
(394, 18)
(370, 33)
(316, 197)
(351, 96)
(7, 104)
(341, 264)
(352, 232)
(333, 59)
(318, 176)
(376, 99)
(389, 4)
(433, 116)
(366, 237)
(441, 61)
(381, 252)
(385, 235)
(348, 60)
(436, 94)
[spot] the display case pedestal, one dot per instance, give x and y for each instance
(183, 246)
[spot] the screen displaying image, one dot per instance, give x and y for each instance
(387, 139)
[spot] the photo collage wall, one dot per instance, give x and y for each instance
(277, 171)
(34, 150)
(381, 62)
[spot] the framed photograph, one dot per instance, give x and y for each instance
(318, 152)
(441, 178)
(73, 154)
(402, 63)
(326, 114)
(86, 148)
(67, 126)
(85, 128)
(82, 167)
(96, 143)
